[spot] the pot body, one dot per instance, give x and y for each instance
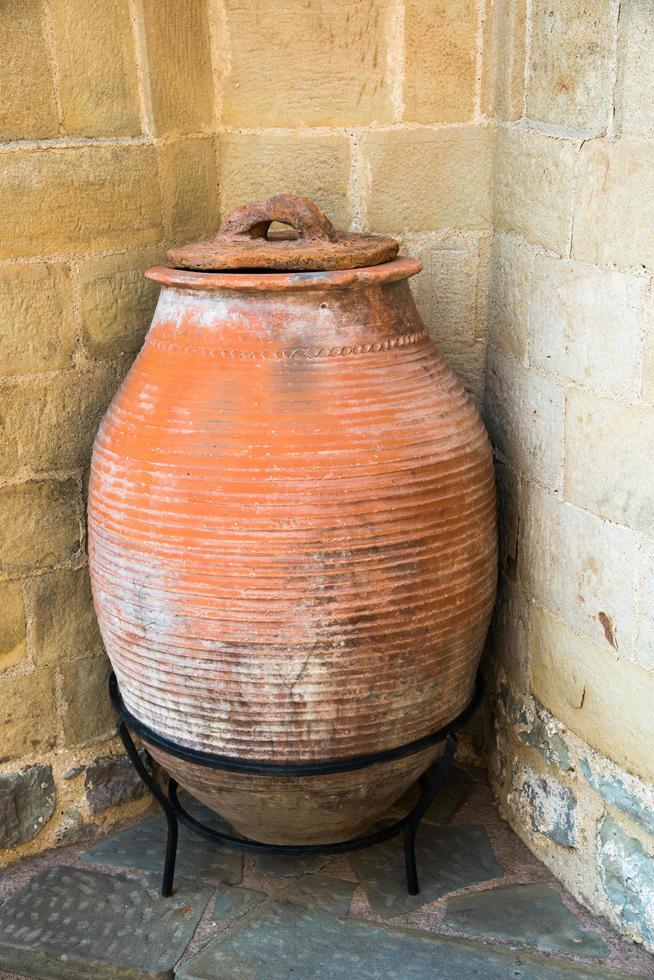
(292, 540)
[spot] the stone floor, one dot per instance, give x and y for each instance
(486, 909)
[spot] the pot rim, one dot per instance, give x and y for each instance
(275, 282)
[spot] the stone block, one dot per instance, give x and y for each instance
(75, 922)
(28, 720)
(605, 700)
(627, 874)
(509, 633)
(444, 291)
(28, 108)
(567, 561)
(525, 418)
(620, 790)
(608, 450)
(38, 332)
(643, 652)
(78, 198)
(538, 729)
(87, 713)
(648, 355)
(440, 60)
(614, 208)
(531, 914)
(585, 324)
(503, 69)
(634, 90)
(96, 63)
(298, 64)
(569, 79)
(447, 185)
(178, 41)
(63, 625)
(117, 301)
(534, 187)
(27, 801)
(508, 303)
(254, 165)
(111, 781)
(49, 424)
(189, 181)
(40, 524)
(232, 902)
(546, 805)
(13, 642)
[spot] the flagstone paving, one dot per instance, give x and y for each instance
(487, 909)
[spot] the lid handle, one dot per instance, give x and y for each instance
(254, 219)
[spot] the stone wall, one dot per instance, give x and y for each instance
(105, 156)
(571, 410)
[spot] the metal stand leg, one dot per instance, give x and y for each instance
(165, 804)
(429, 790)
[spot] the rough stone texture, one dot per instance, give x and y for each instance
(38, 330)
(534, 185)
(634, 91)
(543, 733)
(114, 927)
(515, 395)
(24, 699)
(180, 75)
(570, 67)
(511, 268)
(28, 108)
(287, 866)
(143, 846)
(440, 60)
(447, 185)
(614, 208)
(27, 801)
(96, 67)
(257, 165)
(232, 902)
(448, 857)
(83, 197)
(87, 713)
(530, 914)
(627, 874)
(583, 589)
(40, 524)
(549, 806)
(608, 459)
(63, 625)
(303, 932)
(325, 74)
(643, 652)
(574, 314)
(604, 700)
(110, 781)
(190, 188)
(116, 302)
(503, 70)
(624, 792)
(13, 643)
(50, 423)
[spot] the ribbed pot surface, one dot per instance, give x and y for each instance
(292, 540)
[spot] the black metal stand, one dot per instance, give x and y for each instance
(175, 812)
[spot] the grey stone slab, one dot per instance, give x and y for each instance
(231, 902)
(74, 922)
(27, 801)
(143, 846)
(304, 934)
(290, 866)
(627, 874)
(531, 914)
(449, 799)
(112, 780)
(615, 792)
(448, 858)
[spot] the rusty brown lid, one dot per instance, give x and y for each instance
(312, 243)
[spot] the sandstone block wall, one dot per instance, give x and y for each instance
(570, 408)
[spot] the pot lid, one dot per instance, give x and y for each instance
(311, 244)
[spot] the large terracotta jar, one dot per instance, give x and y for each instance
(292, 523)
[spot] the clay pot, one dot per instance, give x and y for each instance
(292, 528)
